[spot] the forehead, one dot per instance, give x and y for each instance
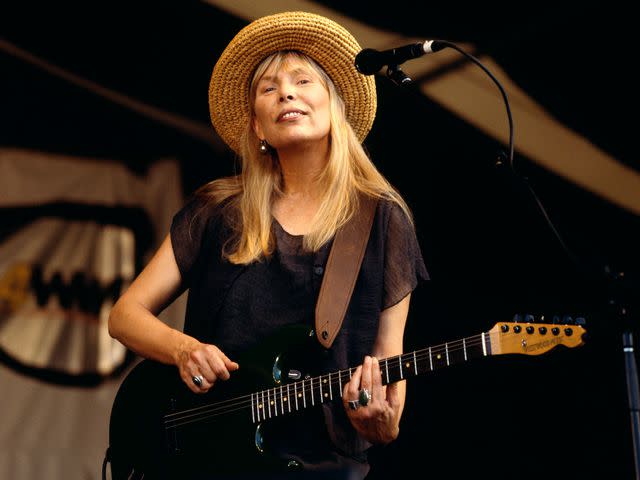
(288, 65)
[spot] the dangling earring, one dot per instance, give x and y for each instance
(264, 149)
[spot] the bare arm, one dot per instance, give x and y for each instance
(134, 322)
(379, 421)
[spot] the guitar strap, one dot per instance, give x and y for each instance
(341, 272)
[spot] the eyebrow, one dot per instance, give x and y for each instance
(295, 71)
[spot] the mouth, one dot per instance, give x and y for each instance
(290, 115)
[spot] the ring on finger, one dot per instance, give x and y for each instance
(197, 380)
(364, 397)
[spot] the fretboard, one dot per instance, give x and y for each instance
(313, 391)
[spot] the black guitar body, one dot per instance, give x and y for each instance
(160, 429)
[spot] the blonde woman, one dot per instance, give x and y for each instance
(252, 248)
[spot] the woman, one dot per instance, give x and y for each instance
(252, 248)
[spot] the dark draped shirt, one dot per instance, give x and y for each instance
(235, 306)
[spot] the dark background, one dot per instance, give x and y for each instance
(487, 247)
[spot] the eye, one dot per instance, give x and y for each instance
(304, 81)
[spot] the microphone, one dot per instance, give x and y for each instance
(370, 61)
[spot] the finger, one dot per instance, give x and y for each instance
(217, 365)
(351, 388)
(187, 378)
(366, 380)
(376, 380)
(393, 395)
(200, 366)
(228, 363)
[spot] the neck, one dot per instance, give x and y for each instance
(301, 167)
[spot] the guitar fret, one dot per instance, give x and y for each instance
(330, 388)
(400, 364)
(253, 414)
(295, 393)
(275, 403)
(320, 383)
(484, 346)
(340, 382)
(430, 359)
(281, 401)
(313, 402)
(415, 363)
(464, 349)
(304, 396)
(288, 398)
(386, 366)
(446, 351)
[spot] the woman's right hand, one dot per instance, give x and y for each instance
(204, 360)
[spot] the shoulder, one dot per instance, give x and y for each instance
(393, 215)
(201, 215)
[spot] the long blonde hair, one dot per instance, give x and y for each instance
(249, 196)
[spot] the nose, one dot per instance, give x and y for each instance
(288, 97)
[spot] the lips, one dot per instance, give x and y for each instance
(290, 114)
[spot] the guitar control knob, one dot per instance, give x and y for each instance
(543, 330)
(517, 329)
(555, 330)
(530, 329)
(504, 328)
(568, 332)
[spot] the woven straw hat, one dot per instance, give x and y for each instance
(327, 42)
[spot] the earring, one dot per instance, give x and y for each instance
(264, 148)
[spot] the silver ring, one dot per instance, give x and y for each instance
(197, 380)
(353, 404)
(364, 397)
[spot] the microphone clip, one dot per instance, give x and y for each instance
(397, 76)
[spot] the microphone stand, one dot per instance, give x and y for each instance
(622, 311)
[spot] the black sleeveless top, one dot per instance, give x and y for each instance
(234, 307)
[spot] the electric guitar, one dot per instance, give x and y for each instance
(160, 429)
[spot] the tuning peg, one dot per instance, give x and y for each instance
(556, 319)
(528, 318)
(517, 318)
(581, 321)
(567, 320)
(545, 319)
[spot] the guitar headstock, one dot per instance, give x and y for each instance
(528, 335)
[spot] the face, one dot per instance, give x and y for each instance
(291, 106)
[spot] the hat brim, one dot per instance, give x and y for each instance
(322, 39)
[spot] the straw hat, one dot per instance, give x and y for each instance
(328, 43)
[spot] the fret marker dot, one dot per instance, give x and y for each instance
(326, 395)
(271, 402)
(285, 399)
(407, 365)
(299, 395)
(325, 381)
(439, 356)
(260, 406)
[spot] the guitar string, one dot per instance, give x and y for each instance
(227, 406)
(274, 396)
(420, 354)
(436, 349)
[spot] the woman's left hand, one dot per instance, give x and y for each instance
(379, 420)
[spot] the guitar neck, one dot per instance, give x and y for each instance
(312, 391)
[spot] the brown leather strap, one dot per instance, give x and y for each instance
(341, 272)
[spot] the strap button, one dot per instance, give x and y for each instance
(318, 270)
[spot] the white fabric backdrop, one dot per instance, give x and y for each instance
(50, 431)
